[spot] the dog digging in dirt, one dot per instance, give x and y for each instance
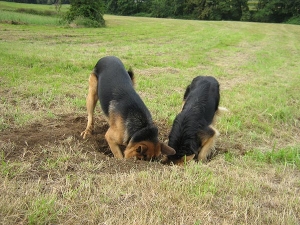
(130, 122)
(193, 133)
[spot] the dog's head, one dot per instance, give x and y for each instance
(147, 150)
(183, 138)
(144, 145)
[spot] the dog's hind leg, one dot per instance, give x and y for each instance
(91, 101)
(208, 141)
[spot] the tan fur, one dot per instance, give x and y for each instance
(179, 162)
(182, 105)
(147, 149)
(91, 101)
(208, 144)
(115, 134)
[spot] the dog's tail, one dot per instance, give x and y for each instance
(221, 111)
(131, 75)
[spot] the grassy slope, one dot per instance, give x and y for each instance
(13, 6)
(257, 66)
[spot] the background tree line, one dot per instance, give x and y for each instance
(49, 2)
(238, 10)
(275, 11)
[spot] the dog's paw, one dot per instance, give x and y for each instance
(164, 159)
(85, 133)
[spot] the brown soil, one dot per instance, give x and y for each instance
(30, 143)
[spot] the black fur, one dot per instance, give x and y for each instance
(116, 93)
(201, 102)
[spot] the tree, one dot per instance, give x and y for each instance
(232, 9)
(277, 11)
(127, 7)
(216, 9)
(160, 9)
(86, 12)
(112, 6)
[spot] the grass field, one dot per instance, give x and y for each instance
(49, 175)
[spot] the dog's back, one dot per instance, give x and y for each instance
(116, 84)
(192, 126)
(203, 94)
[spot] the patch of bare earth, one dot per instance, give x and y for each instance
(33, 143)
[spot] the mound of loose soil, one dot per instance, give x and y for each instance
(53, 131)
(30, 143)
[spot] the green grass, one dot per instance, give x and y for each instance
(286, 156)
(21, 18)
(14, 6)
(42, 211)
(36, 14)
(65, 180)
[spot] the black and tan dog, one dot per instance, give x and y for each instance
(193, 134)
(130, 122)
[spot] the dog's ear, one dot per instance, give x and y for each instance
(142, 149)
(131, 74)
(165, 149)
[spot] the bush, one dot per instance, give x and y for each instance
(81, 21)
(294, 20)
(86, 12)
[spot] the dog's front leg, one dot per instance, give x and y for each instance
(113, 143)
(91, 101)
